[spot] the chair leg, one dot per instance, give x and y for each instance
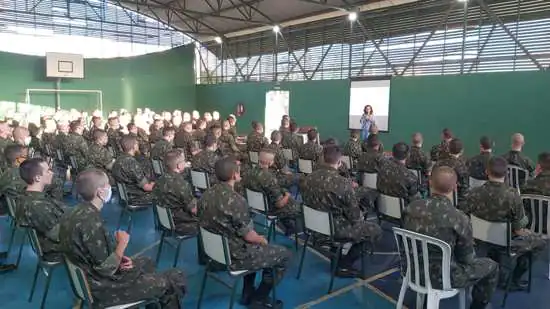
(233, 292)
(363, 262)
(507, 289)
(274, 290)
(47, 288)
(130, 215)
(203, 285)
(402, 294)
(159, 250)
(12, 236)
(302, 257)
(433, 301)
(120, 218)
(296, 240)
(335, 267)
(462, 299)
(420, 299)
(530, 272)
(176, 258)
(34, 281)
(20, 250)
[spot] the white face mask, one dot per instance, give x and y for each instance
(107, 198)
(27, 141)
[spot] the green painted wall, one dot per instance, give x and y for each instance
(163, 80)
(495, 104)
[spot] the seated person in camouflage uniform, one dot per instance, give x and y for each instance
(495, 201)
(41, 212)
(326, 190)
(205, 160)
(200, 133)
(438, 217)
(311, 150)
(227, 141)
(280, 203)
(477, 165)
(163, 145)
(76, 146)
(114, 278)
(369, 161)
(223, 211)
(256, 140)
(455, 161)
(353, 149)
(441, 150)
(540, 185)
(21, 136)
(98, 155)
(419, 161)
(517, 158)
(291, 140)
(280, 165)
(184, 140)
(394, 178)
(128, 171)
(373, 131)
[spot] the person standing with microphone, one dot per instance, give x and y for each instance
(367, 120)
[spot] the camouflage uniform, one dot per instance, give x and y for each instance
(43, 214)
(310, 151)
(114, 136)
(394, 179)
(439, 151)
(205, 161)
(519, 159)
(198, 138)
(256, 142)
(155, 134)
(477, 165)
(128, 171)
(463, 178)
(326, 190)
(89, 134)
(539, 185)
(233, 131)
(437, 217)
(184, 140)
(497, 202)
(86, 242)
(4, 142)
(369, 161)
(418, 160)
(364, 146)
(60, 140)
(173, 191)
(227, 144)
(354, 150)
(223, 211)
(262, 180)
(99, 157)
(76, 146)
(280, 168)
(160, 149)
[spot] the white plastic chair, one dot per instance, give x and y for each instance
(305, 166)
(369, 180)
(474, 182)
(253, 156)
(538, 207)
(347, 162)
(389, 207)
(216, 247)
(516, 176)
(157, 167)
(200, 180)
(414, 247)
(81, 289)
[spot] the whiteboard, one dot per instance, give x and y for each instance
(61, 65)
(375, 93)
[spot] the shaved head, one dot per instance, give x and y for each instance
(89, 181)
(518, 140)
(417, 139)
(266, 157)
(443, 180)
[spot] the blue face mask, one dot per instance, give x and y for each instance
(109, 195)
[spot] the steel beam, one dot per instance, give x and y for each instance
(497, 19)
(441, 22)
(366, 35)
(364, 65)
(480, 50)
(293, 56)
(291, 70)
(34, 6)
(321, 62)
(324, 4)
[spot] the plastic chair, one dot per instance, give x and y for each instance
(46, 266)
(157, 167)
(216, 247)
(168, 229)
(418, 175)
(305, 166)
(414, 247)
(253, 156)
(474, 182)
(317, 221)
(538, 207)
(81, 289)
(200, 180)
(516, 176)
(499, 234)
(389, 207)
(16, 226)
(369, 180)
(348, 162)
(128, 208)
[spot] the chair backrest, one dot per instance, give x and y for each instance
(414, 247)
(474, 182)
(157, 167)
(516, 176)
(347, 162)
(11, 206)
(200, 180)
(390, 206)
(74, 163)
(287, 153)
(417, 174)
(538, 208)
(496, 233)
(79, 282)
(304, 138)
(164, 215)
(49, 151)
(455, 198)
(318, 221)
(59, 155)
(369, 180)
(122, 193)
(253, 156)
(256, 200)
(35, 243)
(215, 246)
(305, 166)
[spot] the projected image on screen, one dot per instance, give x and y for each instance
(375, 93)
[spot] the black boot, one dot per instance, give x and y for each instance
(478, 305)
(345, 266)
(261, 299)
(248, 289)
